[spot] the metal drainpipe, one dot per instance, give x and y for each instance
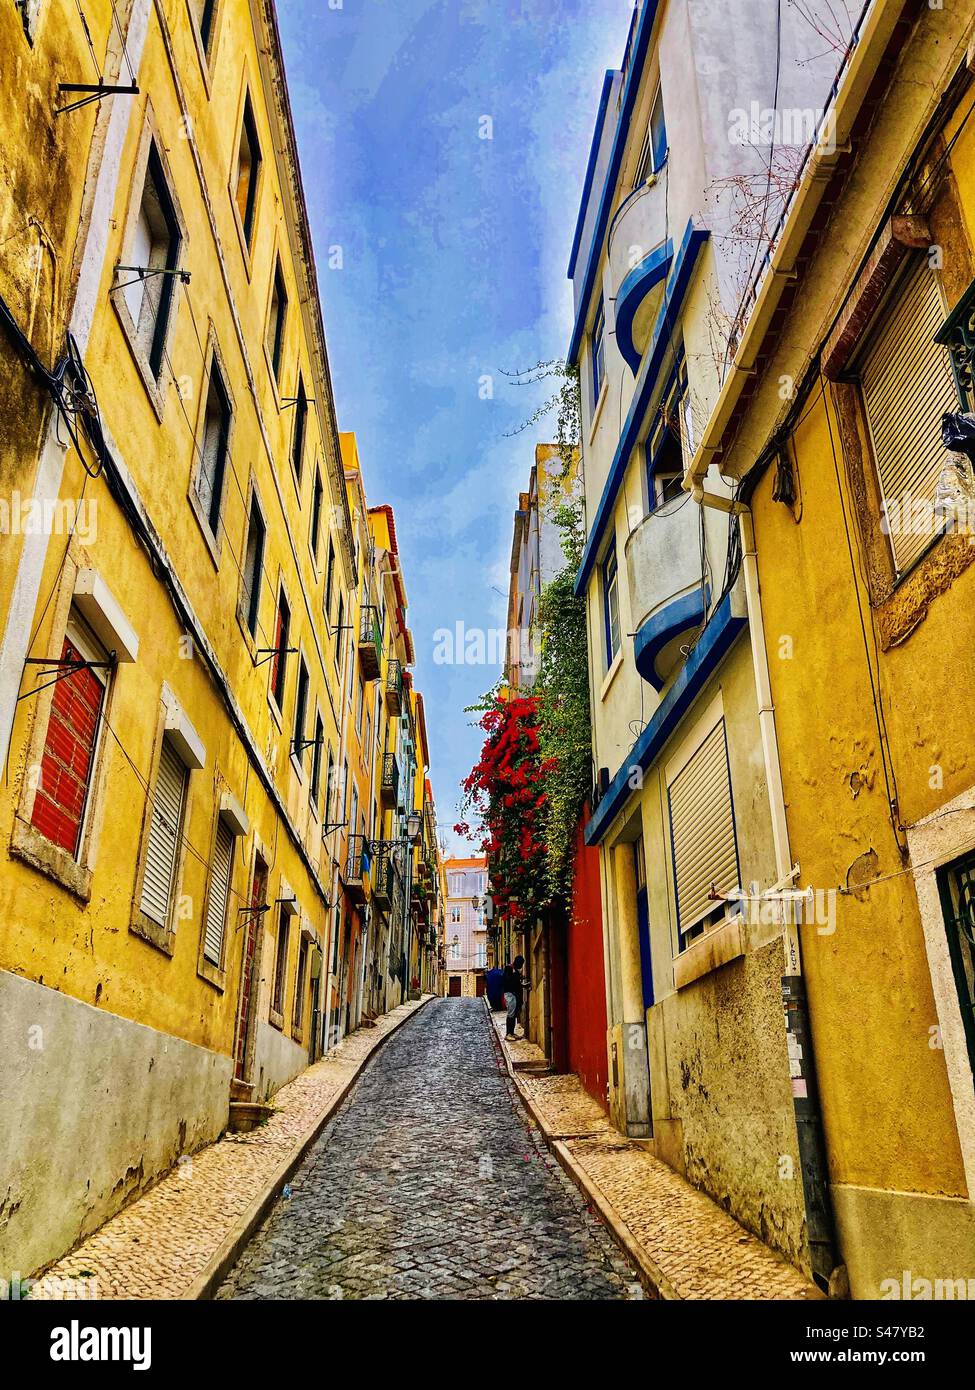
(820, 1225)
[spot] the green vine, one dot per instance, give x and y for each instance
(560, 693)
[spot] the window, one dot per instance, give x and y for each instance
(213, 453)
(275, 322)
(597, 352)
(330, 790)
(329, 574)
(480, 956)
(218, 897)
(665, 450)
(248, 171)
(250, 599)
(339, 632)
(316, 513)
(316, 759)
(281, 960)
(654, 152)
(70, 746)
(702, 830)
(455, 950)
(298, 438)
(345, 792)
(611, 606)
(203, 11)
(360, 699)
(165, 833)
(907, 386)
(301, 707)
(455, 916)
(354, 809)
(279, 662)
(957, 886)
(155, 247)
(299, 1008)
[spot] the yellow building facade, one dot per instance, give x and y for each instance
(180, 661)
(829, 428)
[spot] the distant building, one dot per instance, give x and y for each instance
(465, 925)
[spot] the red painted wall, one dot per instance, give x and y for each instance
(585, 983)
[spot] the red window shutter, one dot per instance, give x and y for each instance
(66, 764)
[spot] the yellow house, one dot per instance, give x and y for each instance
(173, 669)
(829, 424)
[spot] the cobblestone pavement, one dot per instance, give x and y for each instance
(697, 1250)
(432, 1183)
(157, 1245)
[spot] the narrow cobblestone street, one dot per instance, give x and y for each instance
(430, 1183)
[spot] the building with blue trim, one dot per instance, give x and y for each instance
(661, 255)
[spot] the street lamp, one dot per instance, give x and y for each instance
(413, 826)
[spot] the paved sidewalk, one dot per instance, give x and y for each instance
(166, 1242)
(685, 1244)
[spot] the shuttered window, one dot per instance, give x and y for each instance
(165, 829)
(907, 387)
(219, 894)
(702, 828)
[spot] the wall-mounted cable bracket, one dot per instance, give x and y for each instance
(94, 92)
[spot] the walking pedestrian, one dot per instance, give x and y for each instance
(513, 994)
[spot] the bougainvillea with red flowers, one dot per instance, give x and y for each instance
(505, 794)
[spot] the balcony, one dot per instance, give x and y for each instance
(370, 641)
(389, 786)
(382, 874)
(667, 593)
(394, 686)
(357, 868)
(639, 259)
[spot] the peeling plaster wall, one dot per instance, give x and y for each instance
(722, 1107)
(95, 1109)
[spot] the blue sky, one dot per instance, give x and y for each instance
(454, 251)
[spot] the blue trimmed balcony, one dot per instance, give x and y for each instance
(640, 255)
(667, 593)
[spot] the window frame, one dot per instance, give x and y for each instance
(713, 718)
(216, 372)
(873, 330)
(161, 935)
(152, 159)
(299, 435)
(609, 583)
(279, 978)
(597, 354)
(247, 220)
(299, 719)
(250, 603)
(281, 640)
(215, 972)
(276, 324)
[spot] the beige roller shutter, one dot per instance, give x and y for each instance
(702, 828)
(219, 895)
(165, 829)
(907, 387)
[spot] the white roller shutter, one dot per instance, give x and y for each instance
(219, 895)
(907, 387)
(702, 828)
(165, 829)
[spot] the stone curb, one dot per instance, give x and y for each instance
(206, 1283)
(651, 1276)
